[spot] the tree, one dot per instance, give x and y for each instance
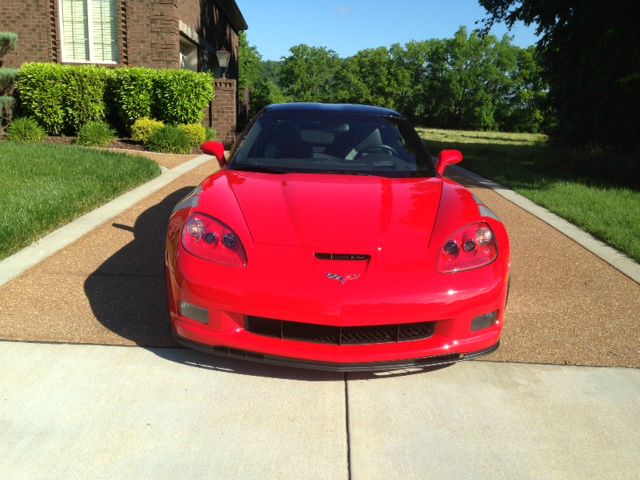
(249, 68)
(367, 77)
(465, 82)
(265, 93)
(590, 52)
(270, 70)
(306, 75)
(528, 108)
(8, 43)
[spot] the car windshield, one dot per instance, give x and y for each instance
(333, 143)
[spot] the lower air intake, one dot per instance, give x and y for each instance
(306, 332)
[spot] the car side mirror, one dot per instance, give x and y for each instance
(216, 149)
(446, 158)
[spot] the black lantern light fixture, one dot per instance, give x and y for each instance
(223, 60)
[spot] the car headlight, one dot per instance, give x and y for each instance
(470, 247)
(210, 239)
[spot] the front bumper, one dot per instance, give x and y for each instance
(335, 367)
(299, 292)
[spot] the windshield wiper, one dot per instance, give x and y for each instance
(257, 168)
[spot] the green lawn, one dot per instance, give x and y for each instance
(573, 184)
(45, 186)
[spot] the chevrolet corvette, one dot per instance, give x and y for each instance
(330, 239)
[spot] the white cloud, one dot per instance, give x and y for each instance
(343, 10)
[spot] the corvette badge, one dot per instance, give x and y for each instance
(342, 278)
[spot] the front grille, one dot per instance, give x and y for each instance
(307, 332)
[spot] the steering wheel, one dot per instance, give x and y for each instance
(379, 146)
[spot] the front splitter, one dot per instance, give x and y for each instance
(335, 367)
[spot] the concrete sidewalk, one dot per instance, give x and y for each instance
(73, 411)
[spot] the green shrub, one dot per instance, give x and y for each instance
(7, 78)
(8, 43)
(144, 128)
(84, 100)
(210, 134)
(132, 94)
(25, 130)
(62, 97)
(41, 91)
(181, 96)
(6, 108)
(195, 132)
(95, 134)
(170, 140)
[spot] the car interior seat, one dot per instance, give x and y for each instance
(287, 143)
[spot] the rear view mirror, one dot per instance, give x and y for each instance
(216, 149)
(448, 157)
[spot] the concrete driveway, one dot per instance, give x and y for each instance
(128, 406)
(76, 411)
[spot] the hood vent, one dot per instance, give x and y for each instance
(343, 256)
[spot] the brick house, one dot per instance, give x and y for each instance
(142, 33)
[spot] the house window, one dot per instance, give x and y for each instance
(188, 55)
(89, 31)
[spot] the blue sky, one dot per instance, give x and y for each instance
(347, 26)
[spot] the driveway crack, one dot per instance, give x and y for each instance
(348, 431)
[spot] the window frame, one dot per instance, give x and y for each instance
(90, 37)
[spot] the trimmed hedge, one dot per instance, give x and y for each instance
(62, 98)
(84, 99)
(41, 91)
(132, 94)
(181, 96)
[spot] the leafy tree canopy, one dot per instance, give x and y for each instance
(590, 53)
(307, 73)
(249, 68)
(468, 81)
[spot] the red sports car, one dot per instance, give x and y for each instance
(331, 240)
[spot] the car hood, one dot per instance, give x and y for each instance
(337, 213)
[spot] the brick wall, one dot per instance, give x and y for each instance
(38, 27)
(153, 33)
(221, 115)
(149, 31)
(149, 37)
(32, 21)
(210, 22)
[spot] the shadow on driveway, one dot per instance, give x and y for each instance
(127, 292)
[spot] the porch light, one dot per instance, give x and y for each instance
(223, 60)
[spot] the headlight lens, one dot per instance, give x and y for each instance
(210, 239)
(470, 247)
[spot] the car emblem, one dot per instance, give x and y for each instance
(342, 278)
